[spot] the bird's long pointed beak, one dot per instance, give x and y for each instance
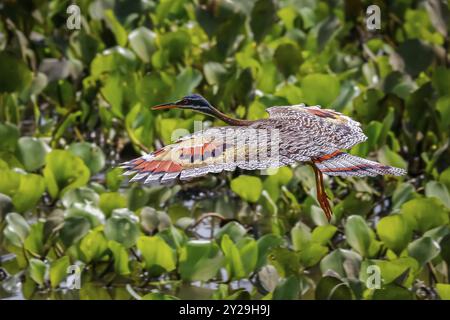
(170, 105)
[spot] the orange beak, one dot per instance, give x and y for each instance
(165, 106)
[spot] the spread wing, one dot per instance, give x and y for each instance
(327, 128)
(207, 151)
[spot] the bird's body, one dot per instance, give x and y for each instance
(291, 134)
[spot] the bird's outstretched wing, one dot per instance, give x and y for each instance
(207, 151)
(327, 127)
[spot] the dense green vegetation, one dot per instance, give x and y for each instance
(74, 103)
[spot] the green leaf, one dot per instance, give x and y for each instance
(287, 289)
(74, 229)
(200, 260)
(64, 171)
(80, 195)
(121, 258)
(395, 232)
(92, 156)
(31, 187)
(424, 214)
(93, 246)
(233, 229)
(158, 256)
(320, 89)
(392, 292)
(265, 244)
(345, 263)
(32, 152)
(58, 270)
(359, 235)
(15, 74)
(424, 249)
(438, 190)
(389, 157)
(417, 56)
(301, 236)
(35, 240)
(443, 290)
(247, 187)
(122, 227)
(109, 201)
(234, 263)
(331, 288)
(288, 58)
(37, 271)
(143, 42)
(10, 136)
(17, 229)
(323, 234)
(118, 30)
(262, 18)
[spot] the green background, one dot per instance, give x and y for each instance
(75, 103)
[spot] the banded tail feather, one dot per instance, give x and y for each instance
(345, 165)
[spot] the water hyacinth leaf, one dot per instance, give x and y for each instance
(93, 246)
(91, 154)
(312, 254)
(158, 256)
(74, 229)
(30, 189)
(417, 56)
(88, 211)
(320, 89)
(247, 187)
(323, 234)
(15, 74)
(80, 195)
(300, 236)
(32, 152)
(233, 229)
(114, 178)
(438, 190)
(287, 289)
(37, 270)
(262, 18)
(122, 227)
(284, 260)
(331, 288)
(391, 271)
(143, 42)
(392, 292)
(288, 58)
(6, 205)
(345, 263)
(120, 256)
(234, 263)
(34, 242)
(424, 249)
(109, 201)
(64, 171)
(443, 290)
(58, 270)
(359, 235)
(10, 136)
(265, 244)
(248, 250)
(118, 30)
(17, 229)
(200, 261)
(395, 232)
(424, 213)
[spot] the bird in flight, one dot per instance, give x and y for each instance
(291, 134)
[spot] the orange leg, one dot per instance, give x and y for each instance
(321, 194)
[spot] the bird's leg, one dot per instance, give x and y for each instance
(322, 197)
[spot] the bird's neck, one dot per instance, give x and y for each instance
(229, 120)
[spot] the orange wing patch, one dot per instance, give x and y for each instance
(323, 113)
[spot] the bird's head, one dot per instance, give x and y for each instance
(193, 101)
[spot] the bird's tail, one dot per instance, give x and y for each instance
(343, 164)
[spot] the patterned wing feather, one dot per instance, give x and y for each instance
(328, 128)
(208, 151)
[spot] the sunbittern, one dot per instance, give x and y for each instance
(308, 135)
